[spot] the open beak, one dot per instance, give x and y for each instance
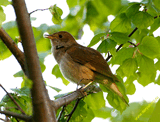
(49, 36)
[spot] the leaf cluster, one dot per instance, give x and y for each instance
(140, 62)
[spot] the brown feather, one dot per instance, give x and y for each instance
(93, 60)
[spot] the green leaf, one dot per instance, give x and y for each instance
(130, 87)
(60, 95)
(147, 70)
(118, 37)
(146, 65)
(144, 79)
(152, 10)
(107, 45)
(150, 47)
(26, 83)
(136, 112)
(91, 101)
(122, 55)
(121, 23)
(57, 73)
(80, 113)
(115, 101)
(103, 112)
(42, 44)
(23, 91)
(56, 89)
(140, 34)
(157, 65)
(41, 59)
(157, 3)
(72, 3)
(132, 10)
(11, 27)
(2, 16)
(155, 115)
(96, 39)
(4, 51)
(157, 81)
(19, 74)
(4, 2)
(155, 25)
(129, 67)
(142, 20)
(57, 13)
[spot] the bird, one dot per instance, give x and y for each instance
(82, 65)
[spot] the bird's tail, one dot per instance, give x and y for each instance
(115, 89)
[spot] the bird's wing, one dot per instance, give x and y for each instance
(90, 58)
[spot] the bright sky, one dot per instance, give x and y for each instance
(9, 66)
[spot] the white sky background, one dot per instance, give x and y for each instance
(10, 66)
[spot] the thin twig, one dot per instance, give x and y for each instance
(38, 10)
(2, 119)
(128, 41)
(156, 16)
(132, 32)
(17, 120)
(20, 116)
(77, 102)
(60, 115)
(122, 44)
(19, 108)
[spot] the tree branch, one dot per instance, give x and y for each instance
(20, 116)
(74, 95)
(2, 119)
(19, 108)
(59, 117)
(77, 102)
(42, 112)
(11, 45)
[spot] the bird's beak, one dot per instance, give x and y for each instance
(50, 36)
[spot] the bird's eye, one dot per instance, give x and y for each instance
(60, 36)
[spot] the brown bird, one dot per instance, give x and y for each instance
(81, 64)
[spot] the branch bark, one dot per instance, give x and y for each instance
(11, 45)
(42, 110)
(20, 116)
(74, 95)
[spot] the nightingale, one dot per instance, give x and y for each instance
(80, 64)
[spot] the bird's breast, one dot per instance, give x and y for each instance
(74, 71)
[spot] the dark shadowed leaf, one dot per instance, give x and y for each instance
(132, 10)
(118, 37)
(107, 45)
(121, 24)
(142, 20)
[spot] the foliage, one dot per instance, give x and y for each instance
(136, 62)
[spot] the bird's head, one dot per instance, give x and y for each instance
(61, 39)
